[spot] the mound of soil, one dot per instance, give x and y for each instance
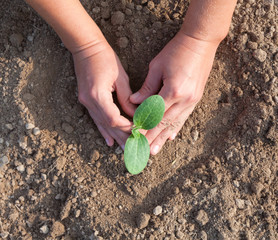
(217, 180)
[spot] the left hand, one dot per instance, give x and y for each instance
(182, 68)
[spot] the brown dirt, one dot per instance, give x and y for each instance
(217, 180)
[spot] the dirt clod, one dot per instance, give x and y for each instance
(142, 220)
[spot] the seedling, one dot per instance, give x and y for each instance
(137, 149)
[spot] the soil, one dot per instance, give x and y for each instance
(217, 180)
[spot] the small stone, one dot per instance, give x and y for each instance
(21, 168)
(96, 10)
(67, 128)
(118, 150)
(95, 156)
(195, 135)
(16, 39)
(193, 190)
(58, 229)
(44, 229)
(142, 220)
(94, 194)
(9, 126)
(257, 187)
(240, 203)
(43, 176)
(29, 126)
(260, 55)
(203, 235)
(236, 183)
(151, 5)
(157, 210)
(123, 42)
(1, 140)
(139, 7)
(4, 235)
(128, 12)
(36, 131)
(202, 218)
(118, 18)
(60, 163)
(77, 213)
(66, 210)
(179, 234)
(252, 45)
(4, 161)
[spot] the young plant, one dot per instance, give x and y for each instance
(137, 150)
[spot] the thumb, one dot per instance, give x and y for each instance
(123, 93)
(150, 87)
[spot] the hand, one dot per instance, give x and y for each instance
(182, 68)
(99, 73)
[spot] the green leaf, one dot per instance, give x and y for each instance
(136, 154)
(149, 113)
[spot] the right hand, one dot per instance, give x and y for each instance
(99, 73)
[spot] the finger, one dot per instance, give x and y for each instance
(123, 94)
(167, 121)
(119, 136)
(108, 139)
(150, 86)
(110, 114)
(169, 131)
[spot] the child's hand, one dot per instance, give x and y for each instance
(99, 73)
(183, 67)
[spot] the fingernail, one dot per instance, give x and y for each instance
(123, 147)
(135, 96)
(107, 141)
(155, 149)
(173, 136)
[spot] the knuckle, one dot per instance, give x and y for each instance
(82, 98)
(112, 121)
(193, 98)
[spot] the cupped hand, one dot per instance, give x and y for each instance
(179, 74)
(99, 73)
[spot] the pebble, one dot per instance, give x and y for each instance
(195, 135)
(128, 12)
(4, 235)
(123, 42)
(257, 187)
(236, 183)
(58, 229)
(95, 156)
(202, 218)
(9, 126)
(44, 229)
(43, 176)
(157, 210)
(20, 168)
(4, 161)
(77, 213)
(260, 55)
(67, 128)
(16, 39)
(118, 150)
(29, 126)
(60, 163)
(203, 235)
(193, 190)
(179, 234)
(36, 131)
(1, 140)
(240, 203)
(117, 18)
(142, 220)
(66, 210)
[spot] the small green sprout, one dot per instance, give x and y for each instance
(137, 149)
